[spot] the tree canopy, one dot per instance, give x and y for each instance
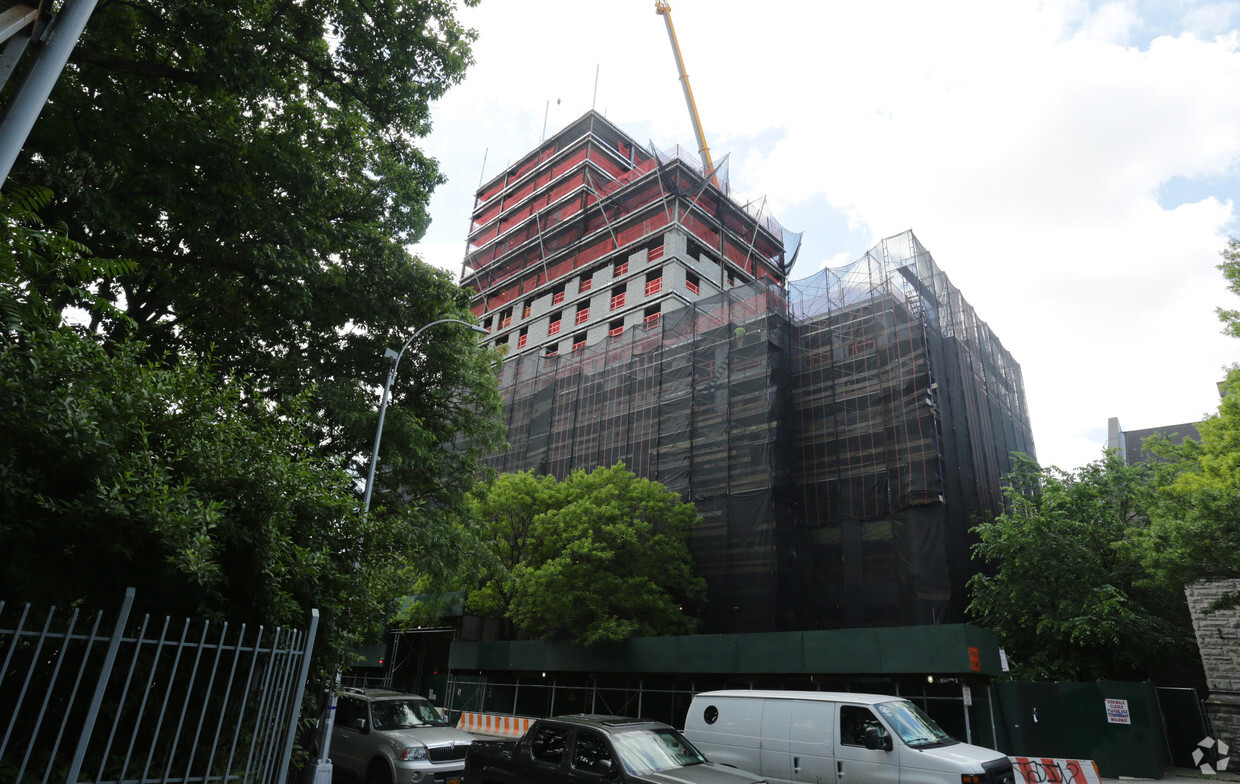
(1067, 591)
(258, 162)
(1194, 532)
(1231, 271)
(599, 557)
(248, 175)
(171, 477)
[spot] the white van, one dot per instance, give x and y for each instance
(815, 736)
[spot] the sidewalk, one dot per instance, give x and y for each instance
(1182, 776)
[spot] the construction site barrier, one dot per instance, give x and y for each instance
(1055, 771)
(494, 724)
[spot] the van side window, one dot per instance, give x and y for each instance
(853, 721)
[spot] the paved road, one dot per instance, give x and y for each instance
(1172, 776)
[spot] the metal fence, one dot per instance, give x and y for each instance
(147, 700)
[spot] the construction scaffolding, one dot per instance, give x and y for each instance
(808, 430)
(907, 409)
(688, 400)
(837, 434)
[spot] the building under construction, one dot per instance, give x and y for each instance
(837, 434)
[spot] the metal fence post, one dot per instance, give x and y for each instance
(96, 701)
(300, 691)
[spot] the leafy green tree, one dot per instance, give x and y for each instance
(168, 476)
(1067, 593)
(1194, 532)
(258, 163)
(1231, 271)
(599, 557)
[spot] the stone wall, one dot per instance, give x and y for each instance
(1218, 639)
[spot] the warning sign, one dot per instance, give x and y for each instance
(1117, 712)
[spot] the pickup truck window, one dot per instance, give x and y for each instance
(590, 753)
(548, 744)
(650, 751)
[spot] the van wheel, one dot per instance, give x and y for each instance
(378, 773)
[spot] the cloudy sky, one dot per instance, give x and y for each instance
(1074, 167)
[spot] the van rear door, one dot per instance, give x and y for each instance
(811, 735)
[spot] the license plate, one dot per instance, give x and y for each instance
(451, 781)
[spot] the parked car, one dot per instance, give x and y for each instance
(389, 737)
(584, 748)
(846, 738)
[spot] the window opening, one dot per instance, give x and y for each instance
(654, 282)
(617, 297)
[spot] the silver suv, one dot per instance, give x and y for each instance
(388, 737)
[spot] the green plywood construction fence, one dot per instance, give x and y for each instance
(1071, 720)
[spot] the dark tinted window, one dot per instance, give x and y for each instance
(590, 753)
(548, 744)
(853, 722)
(348, 711)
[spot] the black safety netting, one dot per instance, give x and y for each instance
(836, 438)
(906, 409)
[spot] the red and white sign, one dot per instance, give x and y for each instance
(1043, 770)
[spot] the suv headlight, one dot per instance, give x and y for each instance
(413, 754)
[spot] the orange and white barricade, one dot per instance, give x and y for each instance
(494, 724)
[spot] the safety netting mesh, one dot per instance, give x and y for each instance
(907, 409)
(837, 437)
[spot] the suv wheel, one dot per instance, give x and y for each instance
(378, 773)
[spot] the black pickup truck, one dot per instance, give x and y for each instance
(597, 749)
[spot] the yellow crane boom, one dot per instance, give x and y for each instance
(663, 9)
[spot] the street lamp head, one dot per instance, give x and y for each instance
(394, 357)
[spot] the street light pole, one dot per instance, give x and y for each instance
(323, 768)
(394, 357)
